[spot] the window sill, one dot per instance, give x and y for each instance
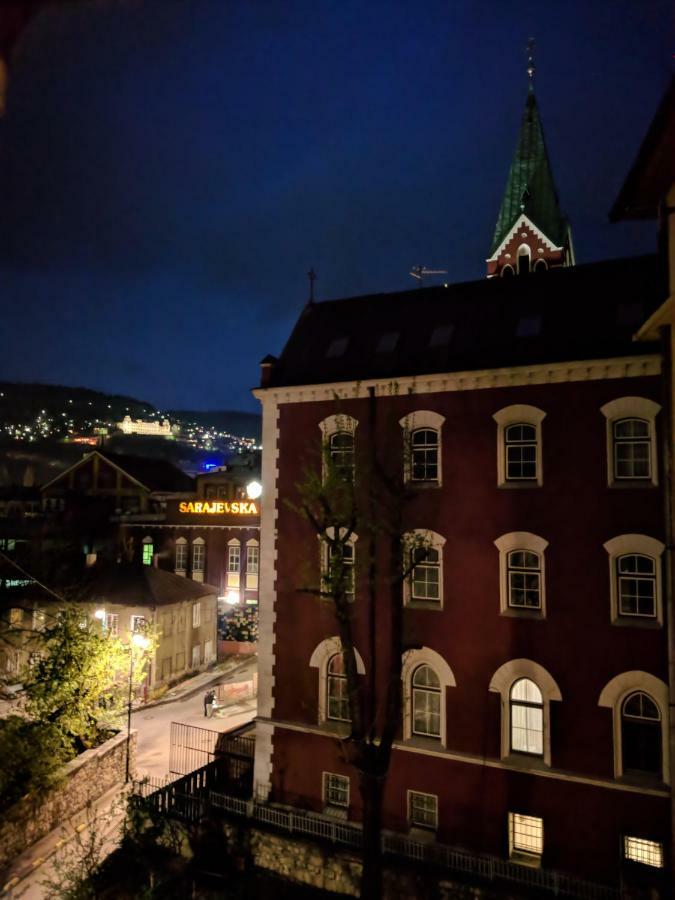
(336, 812)
(526, 859)
(424, 604)
(534, 615)
(424, 743)
(339, 729)
(422, 834)
(637, 622)
(423, 485)
(630, 485)
(520, 485)
(526, 762)
(635, 779)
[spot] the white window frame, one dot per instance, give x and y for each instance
(412, 822)
(411, 661)
(137, 623)
(330, 805)
(319, 659)
(533, 543)
(612, 697)
(340, 678)
(181, 543)
(518, 414)
(39, 619)
(324, 550)
(643, 851)
(233, 569)
(435, 541)
(631, 408)
(519, 852)
(112, 624)
(196, 614)
(198, 559)
(196, 656)
(628, 545)
(333, 425)
(252, 570)
(421, 419)
(501, 683)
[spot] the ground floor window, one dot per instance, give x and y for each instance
(335, 790)
(526, 837)
(422, 810)
(639, 850)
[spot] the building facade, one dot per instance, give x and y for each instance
(525, 428)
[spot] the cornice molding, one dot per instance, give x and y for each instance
(481, 379)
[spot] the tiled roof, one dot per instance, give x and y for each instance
(530, 188)
(577, 313)
(133, 585)
(155, 474)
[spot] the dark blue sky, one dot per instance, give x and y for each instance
(172, 168)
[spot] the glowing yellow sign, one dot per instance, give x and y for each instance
(216, 507)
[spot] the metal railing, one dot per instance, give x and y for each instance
(192, 747)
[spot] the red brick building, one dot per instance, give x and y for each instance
(526, 427)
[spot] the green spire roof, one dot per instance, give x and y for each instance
(530, 188)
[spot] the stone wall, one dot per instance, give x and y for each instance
(86, 778)
(225, 648)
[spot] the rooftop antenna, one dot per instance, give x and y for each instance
(420, 273)
(530, 64)
(312, 276)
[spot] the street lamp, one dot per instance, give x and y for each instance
(140, 641)
(254, 490)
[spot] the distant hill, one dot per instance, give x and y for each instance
(23, 402)
(241, 424)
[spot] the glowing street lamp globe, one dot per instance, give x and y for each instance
(254, 490)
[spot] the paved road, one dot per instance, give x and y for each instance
(154, 724)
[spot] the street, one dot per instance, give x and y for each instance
(153, 725)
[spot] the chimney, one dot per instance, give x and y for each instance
(267, 369)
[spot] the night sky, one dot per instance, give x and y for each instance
(171, 169)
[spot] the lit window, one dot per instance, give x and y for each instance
(641, 735)
(39, 619)
(196, 615)
(422, 810)
(112, 624)
(341, 451)
(148, 551)
(337, 697)
(527, 718)
(632, 449)
(424, 453)
(519, 445)
(426, 702)
(252, 557)
(526, 837)
(335, 790)
(181, 555)
(233, 558)
(137, 623)
(15, 617)
(631, 441)
(640, 850)
(524, 584)
(637, 585)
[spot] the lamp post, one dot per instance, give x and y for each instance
(140, 641)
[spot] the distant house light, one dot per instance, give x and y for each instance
(529, 326)
(336, 348)
(441, 336)
(387, 342)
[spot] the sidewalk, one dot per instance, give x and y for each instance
(230, 666)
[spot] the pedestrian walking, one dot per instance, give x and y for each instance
(209, 697)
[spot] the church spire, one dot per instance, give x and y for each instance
(531, 231)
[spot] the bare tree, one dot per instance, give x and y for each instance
(365, 494)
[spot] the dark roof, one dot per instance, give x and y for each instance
(653, 172)
(154, 474)
(582, 312)
(530, 188)
(132, 585)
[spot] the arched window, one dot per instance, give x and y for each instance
(423, 561)
(524, 580)
(527, 718)
(338, 566)
(523, 259)
(426, 702)
(639, 704)
(641, 735)
(422, 447)
(631, 441)
(341, 451)
(636, 575)
(632, 450)
(507, 271)
(181, 556)
(198, 557)
(337, 697)
(424, 454)
(519, 446)
(540, 266)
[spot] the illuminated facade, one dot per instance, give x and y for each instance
(140, 426)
